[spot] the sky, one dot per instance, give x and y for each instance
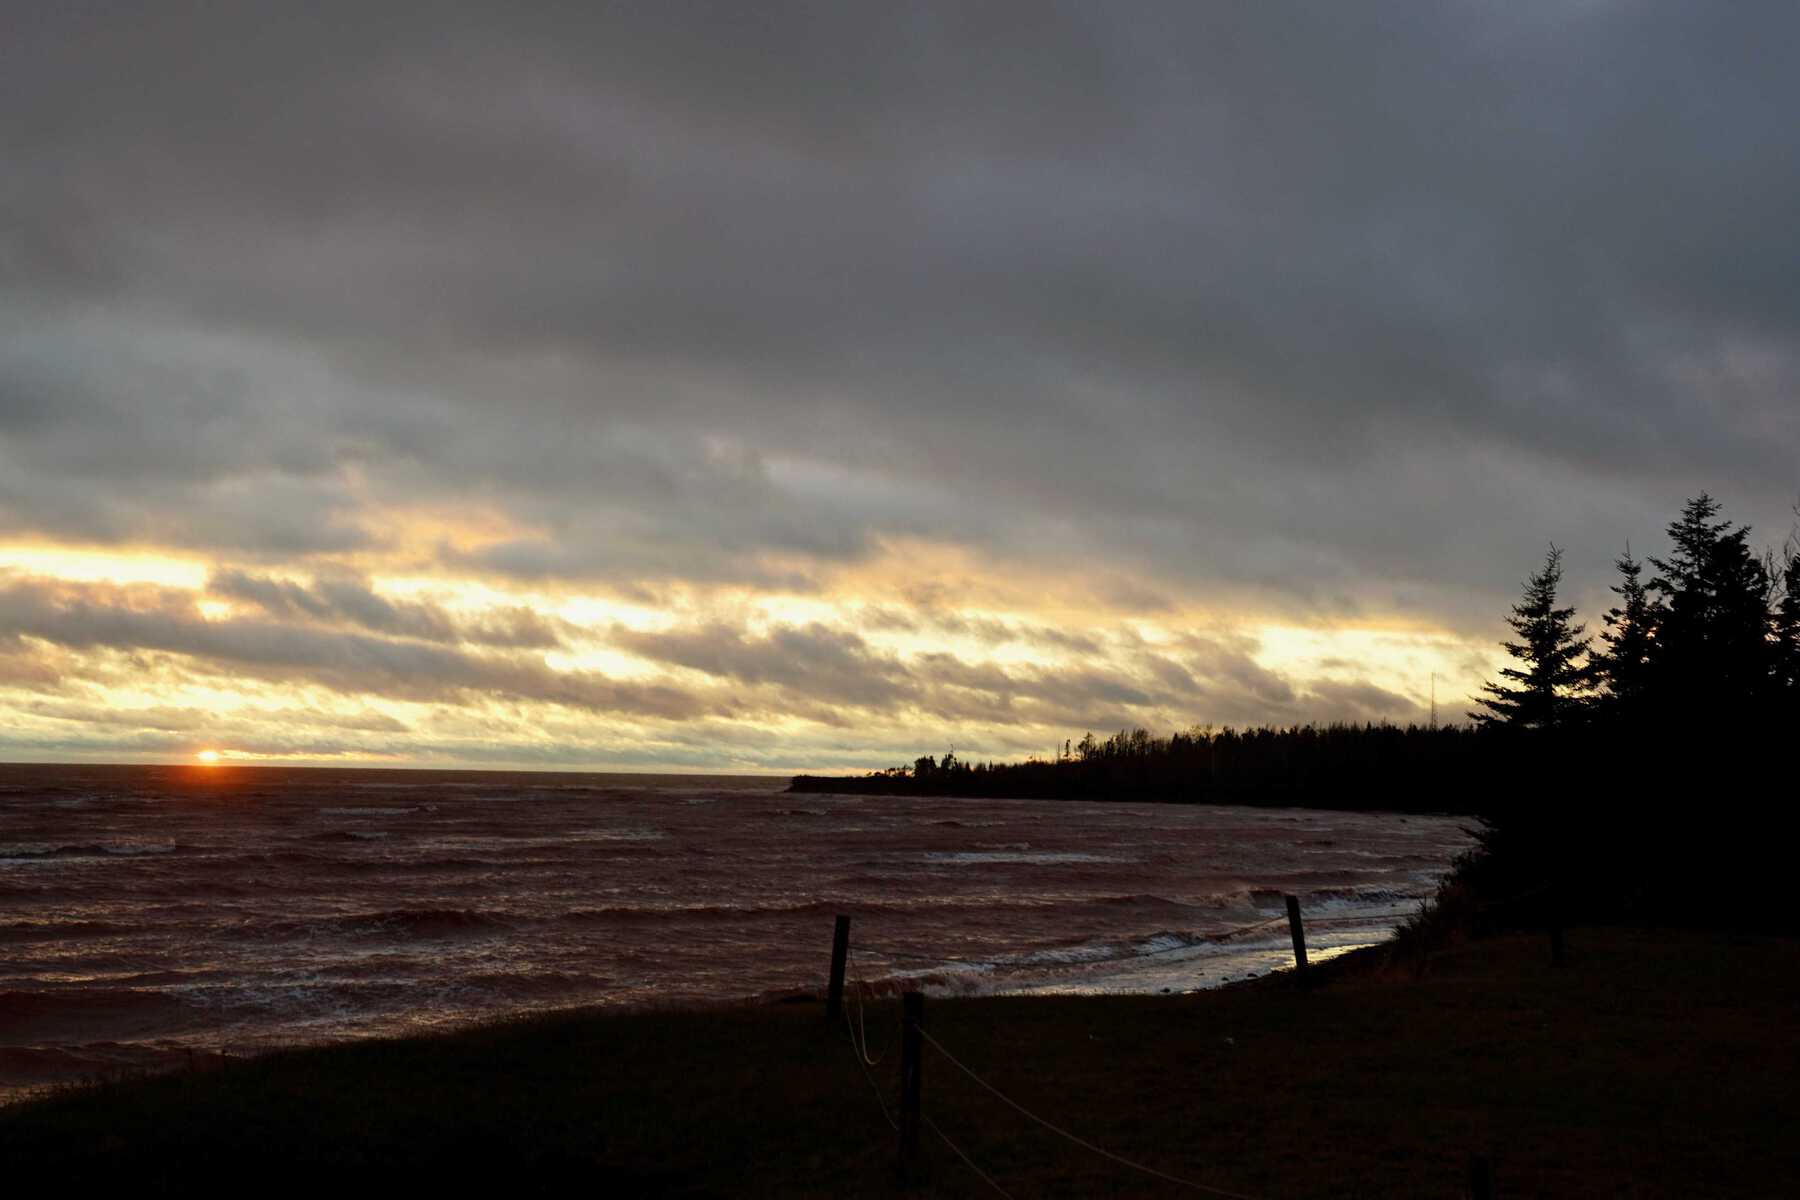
(788, 387)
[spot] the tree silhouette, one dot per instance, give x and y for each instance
(1546, 689)
(1622, 666)
(1712, 649)
(1786, 620)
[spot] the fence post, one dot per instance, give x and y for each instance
(912, 1063)
(1299, 933)
(840, 952)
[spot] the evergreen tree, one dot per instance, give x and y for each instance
(1545, 690)
(1712, 647)
(1623, 665)
(1787, 624)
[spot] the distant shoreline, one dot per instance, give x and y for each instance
(1313, 798)
(1336, 767)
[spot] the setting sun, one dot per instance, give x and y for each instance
(208, 757)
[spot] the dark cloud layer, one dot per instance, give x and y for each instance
(1305, 296)
(1342, 310)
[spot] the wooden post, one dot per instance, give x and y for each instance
(1299, 933)
(840, 953)
(1481, 1178)
(912, 1063)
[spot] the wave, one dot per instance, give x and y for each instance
(535, 983)
(325, 860)
(1340, 896)
(398, 923)
(76, 1011)
(115, 849)
(375, 810)
(1048, 858)
(51, 931)
(853, 907)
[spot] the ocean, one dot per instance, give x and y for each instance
(150, 913)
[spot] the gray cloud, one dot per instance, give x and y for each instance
(1353, 306)
(144, 620)
(68, 647)
(1335, 311)
(350, 601)
(836, 677)
(240, 725)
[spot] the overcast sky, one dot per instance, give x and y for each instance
(769, 386)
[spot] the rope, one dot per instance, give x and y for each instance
(864, 1067)
(859, 1043)
(967, 1161)
(1079, 1141)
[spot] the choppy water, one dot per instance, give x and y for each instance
(148, 911)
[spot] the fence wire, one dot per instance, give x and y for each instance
(864, 1062)
(967, 1161)
(1077, 1140)
(858, 1034)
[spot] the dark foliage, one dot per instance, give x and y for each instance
(1652, 781)
(1712, 648)
(1546, 690)
(1623, 662)
(1672, 800)
(1413, 768)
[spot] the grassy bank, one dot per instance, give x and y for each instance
(1655, 1064)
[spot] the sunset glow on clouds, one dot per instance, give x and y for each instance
(130, 654)
(594, 389)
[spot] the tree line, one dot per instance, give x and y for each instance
(1712, 636)
(1324, 766)
(1709, 642)
(1645, 773)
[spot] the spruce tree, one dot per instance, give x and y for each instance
(1545, 690)
(1622, 667)
(1712, 651)
(1787, 626)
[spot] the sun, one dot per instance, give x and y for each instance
(208, 758)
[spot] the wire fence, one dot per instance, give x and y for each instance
(855, 1014)
(1084, 1143)
(967, 1161)
(856, 1027)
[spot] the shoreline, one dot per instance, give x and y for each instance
(944, 982)
(1658, 1062)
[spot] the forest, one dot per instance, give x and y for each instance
(1649, 763)
(1329, 766)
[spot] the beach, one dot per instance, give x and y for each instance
(1656, 1063)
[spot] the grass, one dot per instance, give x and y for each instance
(1657, 1063)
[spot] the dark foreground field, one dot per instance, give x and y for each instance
(1655, 1064)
